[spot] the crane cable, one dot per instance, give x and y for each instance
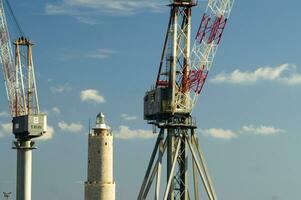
(14, 18)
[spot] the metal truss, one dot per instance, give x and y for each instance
(206, 43)
(182, 142)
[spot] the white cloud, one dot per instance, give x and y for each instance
(4, 114)
(48, 135)
(286, 74)
(61, 88)
(100, 54)
(227, 134)
(52, 9)
(77, 54)
(72, 127)
(124, 132)
(294, 79)
(261, 130)
(92, 95)
(220, 133)
(5, 129)
(128, 117)
(56, 110)
(87, 20)
(85, 10)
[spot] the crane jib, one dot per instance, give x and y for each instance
(207, 40)
(214, 30)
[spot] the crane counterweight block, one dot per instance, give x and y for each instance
(29, 126)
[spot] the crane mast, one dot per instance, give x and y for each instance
(23, 60)
(27, 121)
(168, 106)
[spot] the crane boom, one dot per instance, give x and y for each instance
(206, 43)
(18, 74)
(10, 72)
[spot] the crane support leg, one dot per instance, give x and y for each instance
(203, 173)
(176, 143)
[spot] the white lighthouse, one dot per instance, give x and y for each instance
(100, 184)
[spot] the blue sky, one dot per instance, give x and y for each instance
(96, 55)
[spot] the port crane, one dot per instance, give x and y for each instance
(27, 121)
(169, 105)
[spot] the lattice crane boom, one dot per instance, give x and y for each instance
(206, 44)
(8, 66)
(18, 73)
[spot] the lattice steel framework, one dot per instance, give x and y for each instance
(206, 43)
(20, 84)
(24, 61)
(11, 73)
(191, 68)
(176, 53)
(18, 74)
(181, 77)
(177, 140)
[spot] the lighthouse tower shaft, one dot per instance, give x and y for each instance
(100, 184)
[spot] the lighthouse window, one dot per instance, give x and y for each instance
(106, 143)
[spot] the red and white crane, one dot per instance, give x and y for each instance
(20, 84)
(181, 77)
(192, 73)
